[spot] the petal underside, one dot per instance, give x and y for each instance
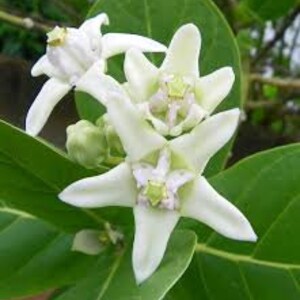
(116, 187)
(117, 43)
(204, 204)
(43, 66)
(153, 228)
(91, 82)
(51, 93)
(93, 25)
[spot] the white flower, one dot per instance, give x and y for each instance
(161, 180)
(173, 97)
(70, 54)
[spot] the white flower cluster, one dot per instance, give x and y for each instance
(162, 117)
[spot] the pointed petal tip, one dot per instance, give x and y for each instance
(182, 56)
(39, 66)
(228, 73)
(153, 229)
(232, 114)
(247, 234)
(190, 29)
(140, 277)
(35, 71)
(64, 196)
(97, 20)
(252, 237)
(104, 17)
(243, 231)
(67, 196)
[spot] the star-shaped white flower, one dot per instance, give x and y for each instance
(173, 97)
(161, 180)
(70, 54)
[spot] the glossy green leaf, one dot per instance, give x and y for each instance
(266, 189)
(113, 276)
(267, 9)
(35, 257)
(88, 107)
(31, 176)
(149, 18)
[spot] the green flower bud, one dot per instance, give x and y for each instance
(86, 144)
(115, 147)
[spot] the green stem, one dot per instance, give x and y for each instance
(27, 23)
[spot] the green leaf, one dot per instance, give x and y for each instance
(32, 174)
(266, 189)
(267, 9)
(88, 108)
(159, 20)
(113, 276)
(35, 257)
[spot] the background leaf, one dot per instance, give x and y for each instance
(267, 9)
(32, 174)
(113, 276)
(266, 189)
(35, 257)
(149, 18)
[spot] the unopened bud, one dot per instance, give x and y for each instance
(88, 241)
(113, 141)
(86, 144)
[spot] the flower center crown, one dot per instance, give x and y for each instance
(57, 36)
(155, 192)
(177, 87)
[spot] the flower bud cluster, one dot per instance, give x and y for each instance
(92, 145)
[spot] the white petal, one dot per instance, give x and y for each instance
(198, 146)
(67, 64)
(153, 228)
(141, 74)
(99, 85)
(158, 124)
(87, 241)
(178, 178)
(39, 67)
(92, 28)
(139, 139)
(183, 53)
(116, 187)
(91, 82)
(77, 45)
(93, 25)
(206, 205)
(142, 172)
(163, 164)
(213, 88)
(195, 115)
(117, 43)
(51, 93)
(43, 66)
